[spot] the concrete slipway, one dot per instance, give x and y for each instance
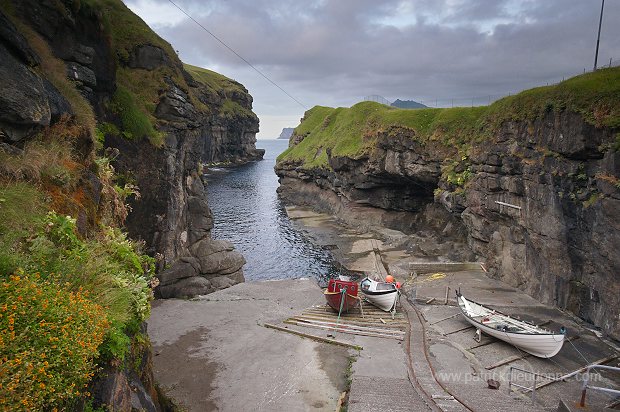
(213, 353)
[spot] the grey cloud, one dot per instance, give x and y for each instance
(331, 51)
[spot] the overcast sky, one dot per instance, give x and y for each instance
(336, 52)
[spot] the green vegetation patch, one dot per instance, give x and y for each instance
(215, 81)
(44, 264)
(136, 123)
(595, 96)
(352, 131)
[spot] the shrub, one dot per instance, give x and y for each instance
(49, 339)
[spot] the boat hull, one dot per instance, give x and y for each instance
(380, 294)
(341, 295)
(384, 301)
(539, 344)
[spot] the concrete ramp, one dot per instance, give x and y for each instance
(380, 394)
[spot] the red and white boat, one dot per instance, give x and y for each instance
(341, 295)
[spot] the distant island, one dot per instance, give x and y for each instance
(407, 104)
(287, 132)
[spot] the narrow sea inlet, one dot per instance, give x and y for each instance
(248, 213)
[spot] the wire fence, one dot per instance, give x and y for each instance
(483, 100)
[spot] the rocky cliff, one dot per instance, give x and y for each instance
(159, 121)
(533, 181)
(124, 121)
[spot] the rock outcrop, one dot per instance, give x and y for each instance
(538, 200)
(286, 133)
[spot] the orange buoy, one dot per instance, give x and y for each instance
(389, 279)
(397, 285)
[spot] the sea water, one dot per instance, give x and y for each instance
(247, 212)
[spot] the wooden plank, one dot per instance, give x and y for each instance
(459, 330)
(493, 340)
(398, 327)
(347, 325)
(575, 372)
(396, 322)
(507, 360)
(365, 318)
(386, 321)
(441, 320)
(317, 338)
(350, 332)
(354, 315)
(370, 311)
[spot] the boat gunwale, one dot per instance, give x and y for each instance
(378, 293)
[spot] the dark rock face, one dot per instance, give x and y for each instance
(148, 57)
(559, 236)
(561, 245)
(28, 102)
(172, 215)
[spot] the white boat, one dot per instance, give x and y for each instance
(381, 294)
(525, 336)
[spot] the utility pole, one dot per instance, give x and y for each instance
(598, 38)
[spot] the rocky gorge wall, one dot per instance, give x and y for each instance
(193, 126)
(557, 236)
(157, 122)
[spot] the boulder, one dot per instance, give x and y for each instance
(208, 247)
(221, 263)
(179, 270)
(148, 57)
(186, 288)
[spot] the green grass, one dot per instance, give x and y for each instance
(136, 123)
(596, 96)
(353, 132)
(215, 81)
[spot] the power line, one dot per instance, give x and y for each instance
(237, 54)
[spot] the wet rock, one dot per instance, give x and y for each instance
(112, 390)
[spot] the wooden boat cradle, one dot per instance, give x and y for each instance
(365, 320)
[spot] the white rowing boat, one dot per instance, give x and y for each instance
(381, 294)
(525, 336)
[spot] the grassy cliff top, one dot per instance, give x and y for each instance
(126, 29)
(352, 131)
(215, 81)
